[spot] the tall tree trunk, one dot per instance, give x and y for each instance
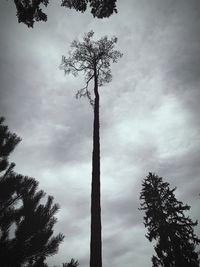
(95, 243)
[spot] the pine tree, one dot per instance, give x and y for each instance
(93, 59)
(21, 213)
(72, 263)
(8, 182)
(168, 225)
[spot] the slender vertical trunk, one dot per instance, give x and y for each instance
(95, 242)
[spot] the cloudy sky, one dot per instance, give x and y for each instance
(149, 118)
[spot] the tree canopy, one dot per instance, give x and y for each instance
(168, 225)
(99, 8)
(93, 58)
(29, 11)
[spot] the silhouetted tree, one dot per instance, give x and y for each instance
(168, 225)
(30, 11)
(8, 183)
(72, 263)
(99, 8)
(93, 59)
(22, 215)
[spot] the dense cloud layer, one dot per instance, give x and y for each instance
(149, 117)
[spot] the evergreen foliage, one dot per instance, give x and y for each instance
(26, 225)
(72, 263)
(168, 225)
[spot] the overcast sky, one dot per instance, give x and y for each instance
(149, 118)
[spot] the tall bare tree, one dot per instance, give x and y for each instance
(93, 59)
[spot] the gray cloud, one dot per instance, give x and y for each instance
(149, 118)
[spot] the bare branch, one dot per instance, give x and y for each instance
(85, 92)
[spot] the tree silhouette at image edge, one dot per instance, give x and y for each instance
(28, 12)
(168, 225)
(26, 225)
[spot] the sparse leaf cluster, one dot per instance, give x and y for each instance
(93, 58)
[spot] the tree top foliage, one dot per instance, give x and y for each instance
(167, 223)
(30, 11)
(93, 58)
(161, 206)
